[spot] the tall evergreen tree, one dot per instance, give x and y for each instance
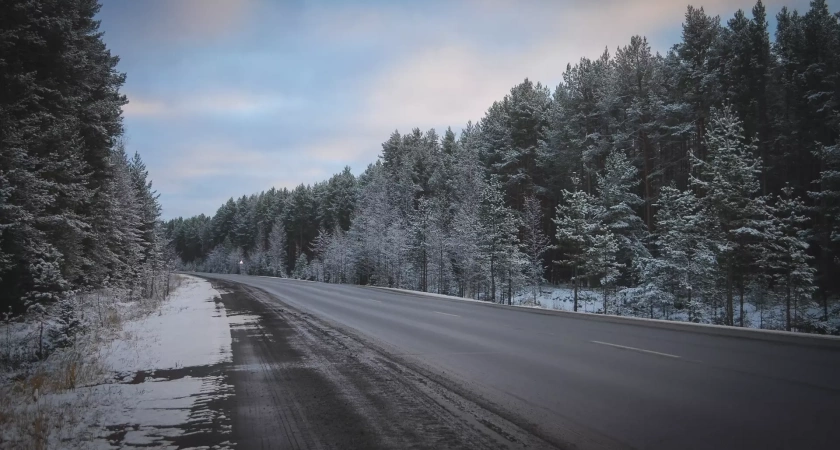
(730, 186)
(534, 243)
(577, 220)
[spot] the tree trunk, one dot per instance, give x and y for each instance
(742, 304)
(825, 304)
(492, 279)
(576, 289)
(651, 310)
(605, 300)
(690, 307)
(41, 340)
(510, 286)
(440, 271)
(643, 141)
(787, 306)
(730, 313)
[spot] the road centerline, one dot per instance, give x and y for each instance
(447, 314)
(637, 349)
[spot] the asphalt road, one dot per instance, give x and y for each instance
(592, 384)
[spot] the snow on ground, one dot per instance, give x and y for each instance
(155, 379)
(191, 331)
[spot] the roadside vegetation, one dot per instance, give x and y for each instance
(49, 362)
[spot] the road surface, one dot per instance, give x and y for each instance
(578, 383)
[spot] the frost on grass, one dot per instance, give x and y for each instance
(149, 375)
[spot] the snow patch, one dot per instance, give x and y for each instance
(191, 329)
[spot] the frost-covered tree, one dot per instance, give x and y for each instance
(421, 229)
(728, 180)
(682, 272)
(466, 234)
(577, 220)
(616, 186)
(66, 323)
(679, 182)
(58, 129)
(276, 252)
(301, 270)
(827, 230)
(786, 258)
(602, 262)
(500, 240)
(534, 243)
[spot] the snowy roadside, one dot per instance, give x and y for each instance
(159, 381)
(560, 298)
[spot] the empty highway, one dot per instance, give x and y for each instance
(582, 383)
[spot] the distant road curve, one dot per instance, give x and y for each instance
(585, 382)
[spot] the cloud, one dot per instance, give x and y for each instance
(204, 103)
(233, 97)
(189, 20)
(451, 82)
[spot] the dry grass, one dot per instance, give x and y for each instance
(45, 404)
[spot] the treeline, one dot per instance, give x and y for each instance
(76, 213)
(682, 185)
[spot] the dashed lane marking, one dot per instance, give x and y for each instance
(636, 349)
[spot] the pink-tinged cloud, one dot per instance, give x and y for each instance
(190, 20)
(208, 103)
(221, 161)
(449, 83)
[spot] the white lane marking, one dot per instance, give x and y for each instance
(447, 314)
(636, 349)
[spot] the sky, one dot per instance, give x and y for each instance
(231, 97)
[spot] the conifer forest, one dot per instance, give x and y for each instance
(691, 185)
(682, 185)
(77, 211)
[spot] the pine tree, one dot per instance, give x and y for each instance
(697, 74)
(683, 270)
(640, 99)
(500, 241)
(729, 183)
(60, 118)
(602, 263)
(577, 220)
(277, 250)
(421, 231)
(66, 324)
(617, 197)
(534, 243)
(786, 256)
